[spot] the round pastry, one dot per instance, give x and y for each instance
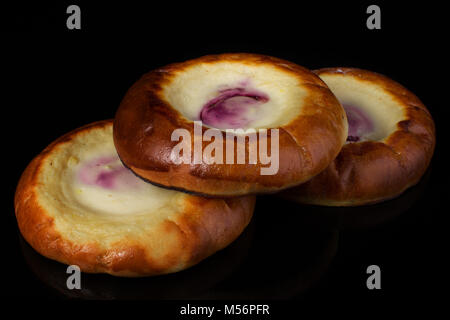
(77, 204)
(294, 116)
(391, 139)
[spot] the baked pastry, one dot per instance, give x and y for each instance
(391, 139)
(294, 114)
(77, 204)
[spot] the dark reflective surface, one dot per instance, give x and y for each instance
(362, 217)
(273, 258)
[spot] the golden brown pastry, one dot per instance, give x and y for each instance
(230, 91)
(390, 142)
(77, 204)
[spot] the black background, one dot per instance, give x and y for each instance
(56, 80)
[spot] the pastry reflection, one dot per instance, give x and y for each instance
(187, 284)
(288, 257)
(278, 256)
(366, 216)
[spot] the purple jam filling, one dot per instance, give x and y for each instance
(230, 110)
(107, 173)
(359, 123)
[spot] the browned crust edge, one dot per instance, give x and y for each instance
(371, 171)
(144, 123)
(206, 226)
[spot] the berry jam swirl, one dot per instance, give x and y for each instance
(233, 108)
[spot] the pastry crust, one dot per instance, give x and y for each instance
(311, 131)
(178, 233)
(368, 172)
